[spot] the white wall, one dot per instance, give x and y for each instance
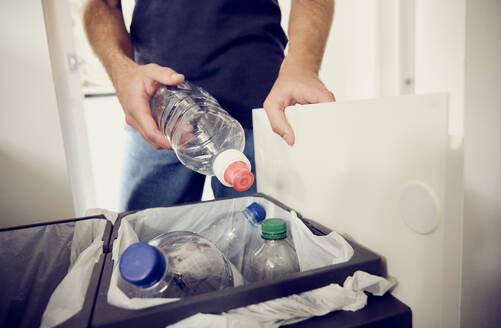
(458, 50)
(351, 57)
(105, 129)
(481, 280)
(439, 55)
(439, 67)
(35, 184)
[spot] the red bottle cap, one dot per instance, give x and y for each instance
(239, 176)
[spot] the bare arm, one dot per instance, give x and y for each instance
(105, 28)
(134, 84)
(298, 81)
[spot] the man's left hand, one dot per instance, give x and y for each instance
(295, 85)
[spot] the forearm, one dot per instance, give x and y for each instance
(107, 34)
(309, 26)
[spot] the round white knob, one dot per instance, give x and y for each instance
(419, 207)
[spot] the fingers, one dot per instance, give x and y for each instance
(316, 96)
(142, 121)
(151, 133)
(164, 75)
(326, 96)
(146, 125)
(283, 95)
(134, 88)
(275, 110)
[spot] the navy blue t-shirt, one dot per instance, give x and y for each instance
(231, 48)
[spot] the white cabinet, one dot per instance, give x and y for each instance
(385, 173)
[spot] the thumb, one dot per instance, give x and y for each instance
(164, 75)
(279, 124)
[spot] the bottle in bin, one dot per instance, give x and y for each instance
(204, 136)
(175, 264)
(236, 233)
(276, 256)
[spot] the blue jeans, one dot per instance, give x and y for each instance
(156, 178)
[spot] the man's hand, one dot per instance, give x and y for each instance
(294, 85)
(135, 84)
(298, 82)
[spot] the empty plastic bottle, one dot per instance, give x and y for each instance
(204, 136)
(236, 233)
(276, 256)
(175, 264)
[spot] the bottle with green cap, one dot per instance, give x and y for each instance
(276, 256)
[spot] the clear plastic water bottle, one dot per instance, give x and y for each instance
(276, 256)
(236, 233)
(175, 264)
(204, 136)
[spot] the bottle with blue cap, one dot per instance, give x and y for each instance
(236, 233)
(175, 264)
(275, 257)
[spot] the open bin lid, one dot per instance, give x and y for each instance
(34, 259)
(386, 172)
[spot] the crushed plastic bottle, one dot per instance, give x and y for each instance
(173, 265)
(204, 136)
(276, 256)
(236, 233)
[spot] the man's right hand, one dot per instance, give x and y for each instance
(135, 84)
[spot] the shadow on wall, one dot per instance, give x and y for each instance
(32, 195)
(483, 252)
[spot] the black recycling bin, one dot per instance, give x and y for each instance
(34, 259)
(107, 315)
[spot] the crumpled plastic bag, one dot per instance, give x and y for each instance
(298, 307)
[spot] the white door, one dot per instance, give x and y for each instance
(67, 84)
(384, 173)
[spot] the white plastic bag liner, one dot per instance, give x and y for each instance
(313, 251)
(317, 251)
(295, 308)
(33, 261)
(86, 233)
(110, 215)
(69, 296)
